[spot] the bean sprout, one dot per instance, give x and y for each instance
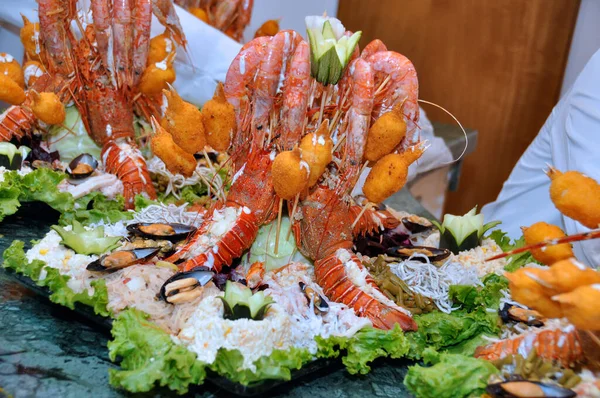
(434, 282)
(177, 181)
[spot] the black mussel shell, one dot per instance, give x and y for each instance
(122, 259)
(433, 253)
(512, 313)
(161, 231)
(197, 278)
(82, 166)
(319, 303)
(525, 389)
(416, 224)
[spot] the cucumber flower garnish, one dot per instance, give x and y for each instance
(459, 233)
(330, 50)
(239, 302)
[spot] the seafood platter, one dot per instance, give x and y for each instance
(223, 243)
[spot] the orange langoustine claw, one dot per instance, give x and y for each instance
(560, 344)
(100, 79)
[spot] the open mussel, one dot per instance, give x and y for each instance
(416, 224)
(319, 304)
(82, 166)
(164, 231)
(122, 259)
(433, 253)
(527, 389)
(185, 286)
(512, 313)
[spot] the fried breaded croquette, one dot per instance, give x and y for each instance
(155, 79)
(389, 174)
(317, 150)
(581, 306)
(290, 174)
(566, 275)
(577, 196)
(10, 91)
(161, 48)
(175, 158)
(47, 107)
(10, 68)
(269, 28)
(30, 38)
(184, 122)
(542, 231)
(218, 117)
(525, 288)
(385, 134)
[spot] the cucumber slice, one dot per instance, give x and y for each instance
(328, 32)
(10, 157)
(240, 303)
(86, 242)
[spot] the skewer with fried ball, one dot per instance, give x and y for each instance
(317, 150)
(576, 195)
(542, 231)
(525, 287)
(155, 79)
(389, 174)
(218, 117)
(566, 275)
(581, 306)
(184, 122)
(161, 48)
(385, 134)
(30, 38)
(175, 158)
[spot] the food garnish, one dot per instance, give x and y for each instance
(86, 241)
(240, 303)
(459, 233)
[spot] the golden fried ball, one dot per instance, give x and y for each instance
(317, 150)
(576, 196)
(384, 135)
(10, 91)
(48, 108)
(290, 174)
(219, 120)
(548, 255)
(155, 79)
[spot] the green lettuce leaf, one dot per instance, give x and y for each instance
(150, 357)
(94, 208)
(40, 185)
(364, 347)
(9, 199)
(16, 260)
(277, 366)
(451, 376)
(472, 297)
(515, 261)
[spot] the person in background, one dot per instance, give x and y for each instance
(569, 140)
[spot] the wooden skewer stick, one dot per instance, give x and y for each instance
(367, 206)
(382, 85)
(278, 226)
(292, 215)
(595, 234)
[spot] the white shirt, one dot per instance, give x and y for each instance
(569, 140)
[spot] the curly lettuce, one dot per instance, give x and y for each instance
(94, 208)
(16, 260)
(463, 330)
(515, 261)
(451, 376)
(150, 357)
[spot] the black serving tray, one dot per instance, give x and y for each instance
(319, 367)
